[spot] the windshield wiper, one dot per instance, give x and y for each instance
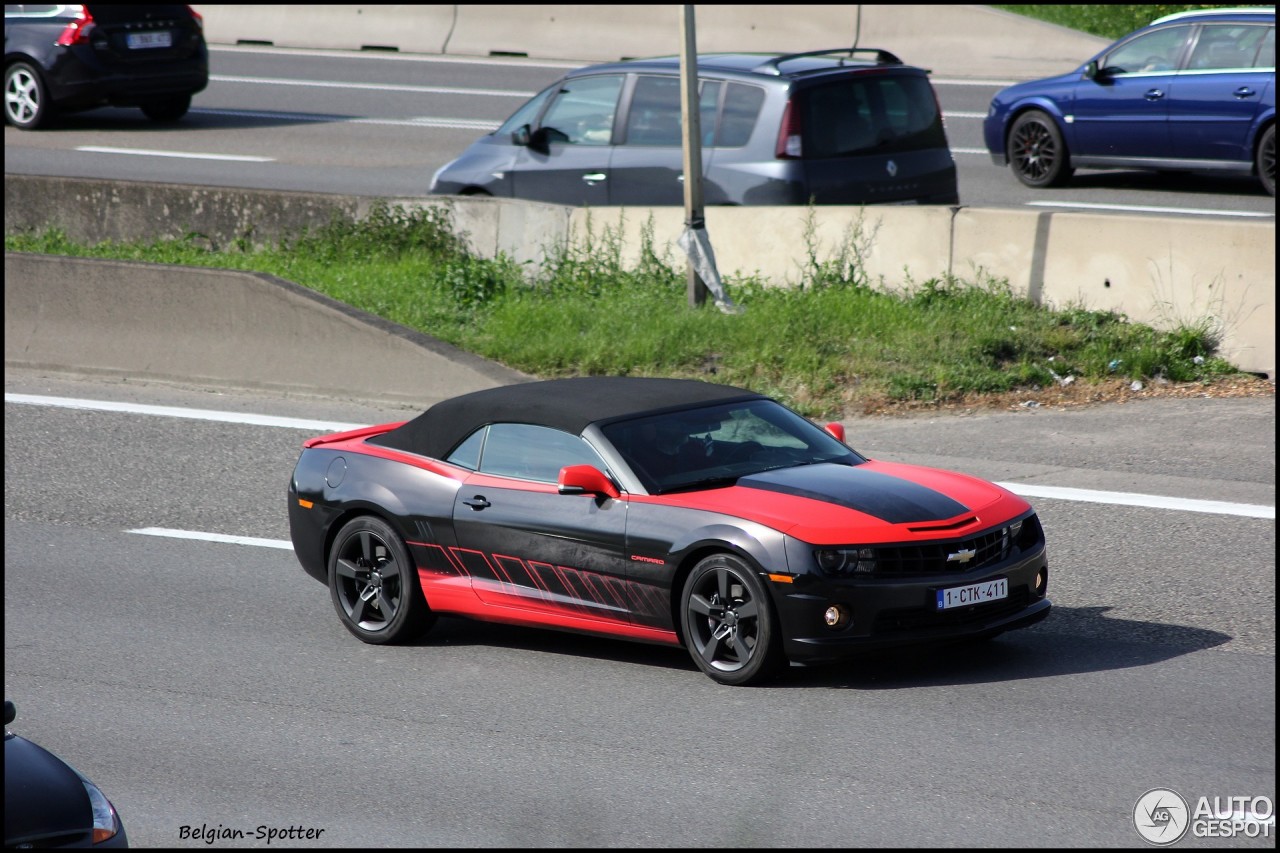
(704, 483)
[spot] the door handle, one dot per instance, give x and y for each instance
(1154, 94)
(1244, 92)
(593, 178)
(477, 503)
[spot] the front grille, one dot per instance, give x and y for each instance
(937, 558)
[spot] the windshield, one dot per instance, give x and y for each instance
(716, 445)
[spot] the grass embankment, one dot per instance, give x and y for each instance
(1108, 21)
(832, 345)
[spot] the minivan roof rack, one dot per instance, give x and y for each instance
(883, 57)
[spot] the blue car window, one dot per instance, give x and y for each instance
(1224, 46)
(1153, 52)
(534, 452)
(1266, 56)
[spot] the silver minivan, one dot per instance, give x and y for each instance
(823, 127)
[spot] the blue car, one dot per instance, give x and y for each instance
(1193, 91)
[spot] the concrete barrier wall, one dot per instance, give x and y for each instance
(971, 41)
(220, 328)
(1163, 271)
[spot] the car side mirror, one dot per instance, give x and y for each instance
(1091, 70)
(836, 430)
(10, 712)
(586, 480)
(520, 136)
(538, 140)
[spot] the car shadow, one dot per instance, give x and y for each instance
(1071, 640)
(123, 119)
(1191, 183)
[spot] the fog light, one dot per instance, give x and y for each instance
(1042, 581)
(836, 616)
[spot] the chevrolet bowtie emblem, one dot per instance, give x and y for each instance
(962, 556)
(892, 169)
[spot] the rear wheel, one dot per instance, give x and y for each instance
(374, 585)
(728, 622)
(1037, 153)
(1266, 160)
(167, 109)
(26, 101)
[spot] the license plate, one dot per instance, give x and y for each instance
(159, 38)
(974, 593)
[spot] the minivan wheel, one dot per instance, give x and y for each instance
(1266, 160)
(1037, 152)
(26, 101)
(167, 109)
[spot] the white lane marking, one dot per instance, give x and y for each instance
(1062, 493)
(954, 114)
(457, 123)
(376, 87)
(146, 152)
(178, 412)
(214, 537)
(1026, 490)
(1142, 208)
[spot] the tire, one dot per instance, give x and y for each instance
(1037, 153)
(167, 109)
(374, 585)
(1266, 160)
(26, 100)
(728, 622)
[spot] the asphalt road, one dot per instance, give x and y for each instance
(380, 125)
(208, 683)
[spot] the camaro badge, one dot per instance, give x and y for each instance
(962, 556)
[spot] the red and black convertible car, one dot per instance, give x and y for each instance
(661, 510)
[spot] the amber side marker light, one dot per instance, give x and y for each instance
(305, 504)
(782, 579)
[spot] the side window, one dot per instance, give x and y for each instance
(1223, 46)
(528, 113)
(741, 109)
(583, 111)
(708, 108)
(1153, 52)
(655, 112)
(1266, 55)
(467, 454)
(533, 452)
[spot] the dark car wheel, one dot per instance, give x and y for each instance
(167, 109)
(728, 622)
(26, 101)
(1267, 160)
(1037, 152)
(374, 585)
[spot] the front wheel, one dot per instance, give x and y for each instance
(26, 101)
(1266, 160)
(374, 585)
(1037, 153)
(728, 622)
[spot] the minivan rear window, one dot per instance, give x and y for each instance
(860, 115)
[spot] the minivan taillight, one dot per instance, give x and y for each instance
(789, 134)
(197, 17)
(77, 32)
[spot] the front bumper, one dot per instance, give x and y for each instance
(893, 612)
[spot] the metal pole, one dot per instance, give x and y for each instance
(691, 115)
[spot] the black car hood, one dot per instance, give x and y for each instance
(42, 795)
(889, 497)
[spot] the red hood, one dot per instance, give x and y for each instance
(869, 503)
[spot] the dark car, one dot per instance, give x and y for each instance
(830, 127)
(661, 510)
(69, 58)
(48, 803)
(1194, 91)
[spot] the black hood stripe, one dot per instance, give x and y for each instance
(884, 496)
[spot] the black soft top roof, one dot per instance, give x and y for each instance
(564, 404)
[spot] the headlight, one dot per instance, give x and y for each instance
(105, 825)
(846, 561)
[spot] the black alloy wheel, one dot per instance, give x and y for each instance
(1037, 152)
(26, 101)
(1267, 160)
(728, 622)
(374, 584)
